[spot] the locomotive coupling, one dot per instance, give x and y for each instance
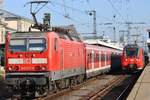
(28, 87)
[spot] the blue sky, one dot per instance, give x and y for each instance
(125, 10)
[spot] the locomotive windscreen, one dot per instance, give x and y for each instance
(131, 52)
(30, 44)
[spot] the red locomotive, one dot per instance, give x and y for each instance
(43, 58)
(133, 58)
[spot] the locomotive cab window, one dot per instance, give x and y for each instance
(37, 44)
(21, 45)
(17, 45)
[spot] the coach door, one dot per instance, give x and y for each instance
(89, 60)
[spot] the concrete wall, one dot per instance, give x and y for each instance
(19, 24)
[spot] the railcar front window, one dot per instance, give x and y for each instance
(17, 45)
(37, 44)
(132, 52)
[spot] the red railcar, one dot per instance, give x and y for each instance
(133, 58)
(98, 56)
(97, 60)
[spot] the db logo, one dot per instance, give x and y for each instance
(131, 60)
(27, 61)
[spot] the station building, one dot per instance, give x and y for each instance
(12, 22)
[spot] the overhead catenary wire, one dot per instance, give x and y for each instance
(69, 18)
(75, 9)
(115, 9)
(77, 21)
(85, 12)
(65, 10)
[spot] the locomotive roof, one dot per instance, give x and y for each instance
(70, 31)
(62, 31)
(27, 34)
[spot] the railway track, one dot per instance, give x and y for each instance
(66, 91)
(89, 90)
(122, 89)
(93, 89)
(123, 95)
(100, 87)
(106, 89)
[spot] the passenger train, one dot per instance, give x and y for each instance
(39, 62)
(133, 58)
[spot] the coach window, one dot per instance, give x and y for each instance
(103, 57)
(96, 57)
(55, 44)
(99, 59)
(90, 58)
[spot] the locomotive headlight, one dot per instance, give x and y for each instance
(126, 59)
(10, 68)
(43, 68)
(20, 55)
(40, 68)
(13, 68)
(33, 55)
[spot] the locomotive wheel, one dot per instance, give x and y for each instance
(67, 83)
(52, 86)
(73, 81)
(63, 83)
(80, 79)
(43, 91)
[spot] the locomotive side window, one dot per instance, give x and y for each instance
(17, 45)
(55, 44)
(37, 44)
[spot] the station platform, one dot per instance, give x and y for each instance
(141, 90)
